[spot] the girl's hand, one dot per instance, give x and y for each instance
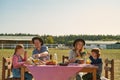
(25, 53)
(27, 62)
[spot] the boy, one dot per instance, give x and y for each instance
(97, 61)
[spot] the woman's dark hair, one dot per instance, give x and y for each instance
(78, 40)
(37, 38)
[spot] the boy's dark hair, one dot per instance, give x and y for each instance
(37, 38)
(97, 51)
(78, 40)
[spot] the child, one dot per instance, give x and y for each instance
(18, 61)
(97, 61)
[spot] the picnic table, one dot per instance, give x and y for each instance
(57, 72)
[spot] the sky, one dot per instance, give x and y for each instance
(60, 17)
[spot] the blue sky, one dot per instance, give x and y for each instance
(60, 17)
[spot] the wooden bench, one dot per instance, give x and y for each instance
(109, 68)
(7, 68)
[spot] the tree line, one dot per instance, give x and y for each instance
(17, 34)
(68, 39)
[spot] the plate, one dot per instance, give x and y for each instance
(63, 64)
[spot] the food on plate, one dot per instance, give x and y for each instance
(33, 61)
(51, 62)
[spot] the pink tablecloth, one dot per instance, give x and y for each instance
(53, 72)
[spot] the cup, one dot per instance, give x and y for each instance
(82, 61)
(36, 61)
(88, 61)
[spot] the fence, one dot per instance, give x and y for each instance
(12, 46)
(27, 46)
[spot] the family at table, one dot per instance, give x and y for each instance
(76, 55)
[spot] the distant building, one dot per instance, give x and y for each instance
(55, 45)
(11, 41)
(102, 44)
(15, 39)
(113, 46)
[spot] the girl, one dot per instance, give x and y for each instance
(18, 61)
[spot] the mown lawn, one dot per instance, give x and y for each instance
(106, 53)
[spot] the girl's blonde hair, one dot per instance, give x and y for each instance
(18, 46)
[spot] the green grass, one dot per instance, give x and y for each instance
(106, 53)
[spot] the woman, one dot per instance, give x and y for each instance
(77, 53)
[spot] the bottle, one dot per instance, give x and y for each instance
(55, 58)
(85, 58)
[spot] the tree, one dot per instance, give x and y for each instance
(49, 40)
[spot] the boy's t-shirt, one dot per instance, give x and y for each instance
(97, 62)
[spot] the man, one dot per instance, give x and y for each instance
(40, 51)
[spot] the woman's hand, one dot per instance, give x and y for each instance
(78, 53)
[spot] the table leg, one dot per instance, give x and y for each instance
(22, 73)
(94, 74)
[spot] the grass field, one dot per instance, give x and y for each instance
(109, 53)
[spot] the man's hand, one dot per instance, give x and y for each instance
(43, 54)
(40, 55)
(72, 60)
(36, 55)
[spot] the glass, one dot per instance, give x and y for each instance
(88, 61)
(82, 61)
(55, 58)
(36, 61)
